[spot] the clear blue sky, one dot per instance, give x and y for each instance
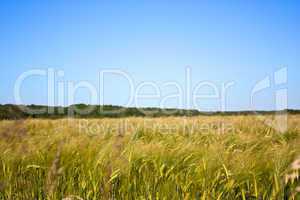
(221, 41)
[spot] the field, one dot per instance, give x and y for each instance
(205, 157)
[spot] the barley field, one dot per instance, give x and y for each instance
(205, 157)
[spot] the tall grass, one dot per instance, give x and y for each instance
(162, 158)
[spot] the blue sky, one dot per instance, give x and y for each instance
(221, 41)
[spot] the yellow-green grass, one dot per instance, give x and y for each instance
(213, 157)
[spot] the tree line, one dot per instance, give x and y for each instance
(10, 111)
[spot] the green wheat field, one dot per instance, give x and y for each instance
(204, 157)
